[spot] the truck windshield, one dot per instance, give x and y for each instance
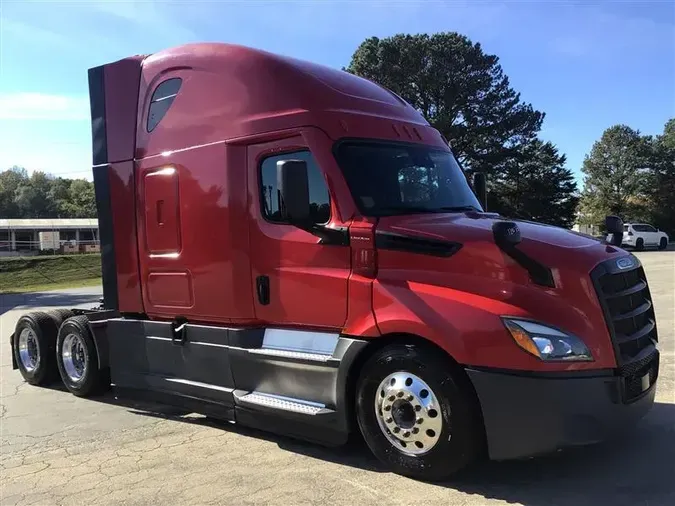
(395, 178)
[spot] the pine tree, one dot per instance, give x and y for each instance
(616, 177)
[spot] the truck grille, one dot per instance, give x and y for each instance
(627, 305)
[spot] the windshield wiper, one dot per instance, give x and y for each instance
(409, 209)
(422, 209)
(459, 208)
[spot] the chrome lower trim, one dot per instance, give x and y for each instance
(272, 352)
(210, 344)
(198, 384)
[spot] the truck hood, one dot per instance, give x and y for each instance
(476, 273)
(553, 246)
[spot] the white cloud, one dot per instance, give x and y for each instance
(32, 33)
(44, 107)
(592, 32)
(154, 18)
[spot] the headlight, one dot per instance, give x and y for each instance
(547, 343)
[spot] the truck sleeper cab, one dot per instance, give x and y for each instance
(296, 249)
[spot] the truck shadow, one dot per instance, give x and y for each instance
(56, 299)
(637, 468)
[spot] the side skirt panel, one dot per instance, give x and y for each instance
(286, 381)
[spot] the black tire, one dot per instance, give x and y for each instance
(45, 330)
(663, 243)
(60, 315)
(92, 380)
(639, 244)
(460, 439)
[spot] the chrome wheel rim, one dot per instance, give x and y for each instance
(408, 413)
(74, 355)
(29, 350)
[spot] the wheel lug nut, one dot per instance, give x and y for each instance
(389, 420)
(415, 430)
(406, 434)
(397, 430)
(392, 398)
(420, 420)
(400, 394)
(387, 408)
(410, 398)
(418, 408)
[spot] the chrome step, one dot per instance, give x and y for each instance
(283, 403)
(301, 355)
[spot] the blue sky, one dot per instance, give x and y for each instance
(587, 65)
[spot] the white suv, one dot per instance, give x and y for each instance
(642, 235)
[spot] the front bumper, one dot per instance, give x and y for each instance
(528, 415)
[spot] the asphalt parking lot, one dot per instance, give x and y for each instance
(58, 449)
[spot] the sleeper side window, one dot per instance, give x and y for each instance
(161, 100)
(319, 198)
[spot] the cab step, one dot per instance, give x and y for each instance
(297, 418)
(280, 403)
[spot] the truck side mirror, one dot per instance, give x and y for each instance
(293, 190)
(480, 188)
(614, 226)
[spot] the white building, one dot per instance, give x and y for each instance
(22, 236)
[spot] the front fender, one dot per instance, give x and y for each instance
(466, 326)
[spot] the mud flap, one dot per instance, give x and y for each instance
(15, 366)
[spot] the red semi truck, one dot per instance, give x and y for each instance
(296, 249)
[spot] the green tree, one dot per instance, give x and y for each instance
(82, 198)
(616, 176)
(59, 194)
(460, 90)
(32, 196)
(464, 93)
(661, 194)
(537, 186)
(41, 195)
(10, 181)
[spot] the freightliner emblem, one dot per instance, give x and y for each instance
(625, 263)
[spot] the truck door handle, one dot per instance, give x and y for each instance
(179, 330)
(263, 289)
(160, 212)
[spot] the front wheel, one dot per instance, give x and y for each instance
(415, 416)
(663, 244)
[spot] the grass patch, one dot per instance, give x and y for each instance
(39, 273)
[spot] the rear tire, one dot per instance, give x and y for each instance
(77, 358)
(60, 315)
(639, 244)
(663, 243)
(403, 381)
(34, 346)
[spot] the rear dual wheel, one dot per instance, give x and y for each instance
(415, 415)
(53, 343)
(34, 347)
(77, 358)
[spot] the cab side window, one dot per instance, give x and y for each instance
(161, 100)
(319, 198)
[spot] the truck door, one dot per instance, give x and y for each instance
(298, 279)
